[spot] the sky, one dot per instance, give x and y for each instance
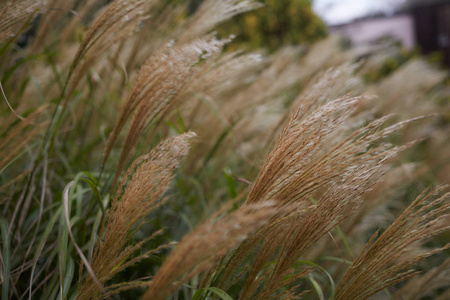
(342, 11)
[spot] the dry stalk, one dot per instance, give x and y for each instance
(27, 129)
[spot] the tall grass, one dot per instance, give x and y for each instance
(298, 181)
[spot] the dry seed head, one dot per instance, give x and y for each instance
(280, 75)
(139, 193)
(300, 232)
(335, 82)
(216, 82)
(156, 85)
(296, 147)
(117, 14)
(14, 13)
(373, 211)
(118, 21)
(199, 250)
(421, 285)
(378, 265)
(225, 74)
(301, 162)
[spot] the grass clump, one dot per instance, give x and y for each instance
(101, 172)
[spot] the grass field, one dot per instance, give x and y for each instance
(139, 158)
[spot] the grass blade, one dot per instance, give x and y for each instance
(231, 184)
(317, 287)
(80, 252)
(333, 286)
(6, 258)
(221, 293)
(43, 239)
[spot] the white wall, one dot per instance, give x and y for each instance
(400, 27)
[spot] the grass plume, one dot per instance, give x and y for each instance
(199, 250)
(377, 267)
(156, 84)
(138, 194)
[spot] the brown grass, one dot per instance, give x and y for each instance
(199, 250)
(324, 173)
(118, 21)
(14, 13)
(138, 194)
(156, 85)
(377, 267)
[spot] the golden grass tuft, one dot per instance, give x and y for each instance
(306, 164)
(156, 85)
(14, 13)
(421, 285)
(138, 194)
(199, 250)
(377, 266)
(117, 22)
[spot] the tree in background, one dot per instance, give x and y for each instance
(277, 23)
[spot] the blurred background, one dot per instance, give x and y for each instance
(421, 23)
(419, 26)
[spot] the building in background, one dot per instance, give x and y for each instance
(366, 30)
(432, 28)
(424, 23)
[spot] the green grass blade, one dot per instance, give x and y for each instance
(338, 259)
(39, 92)
(345, 240)
(67, 281)
(92, 182)
(94, 189)
(217, 144)
(221, 293)
(333, 286)
(93, 238)
(214, 110)
(197, 294)
(87, 265)
(6, 258)
(231, 182)
(10, 71)
(43, 239)
(63, 248)
(180, 126)
(18, 156)
(317, 287)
